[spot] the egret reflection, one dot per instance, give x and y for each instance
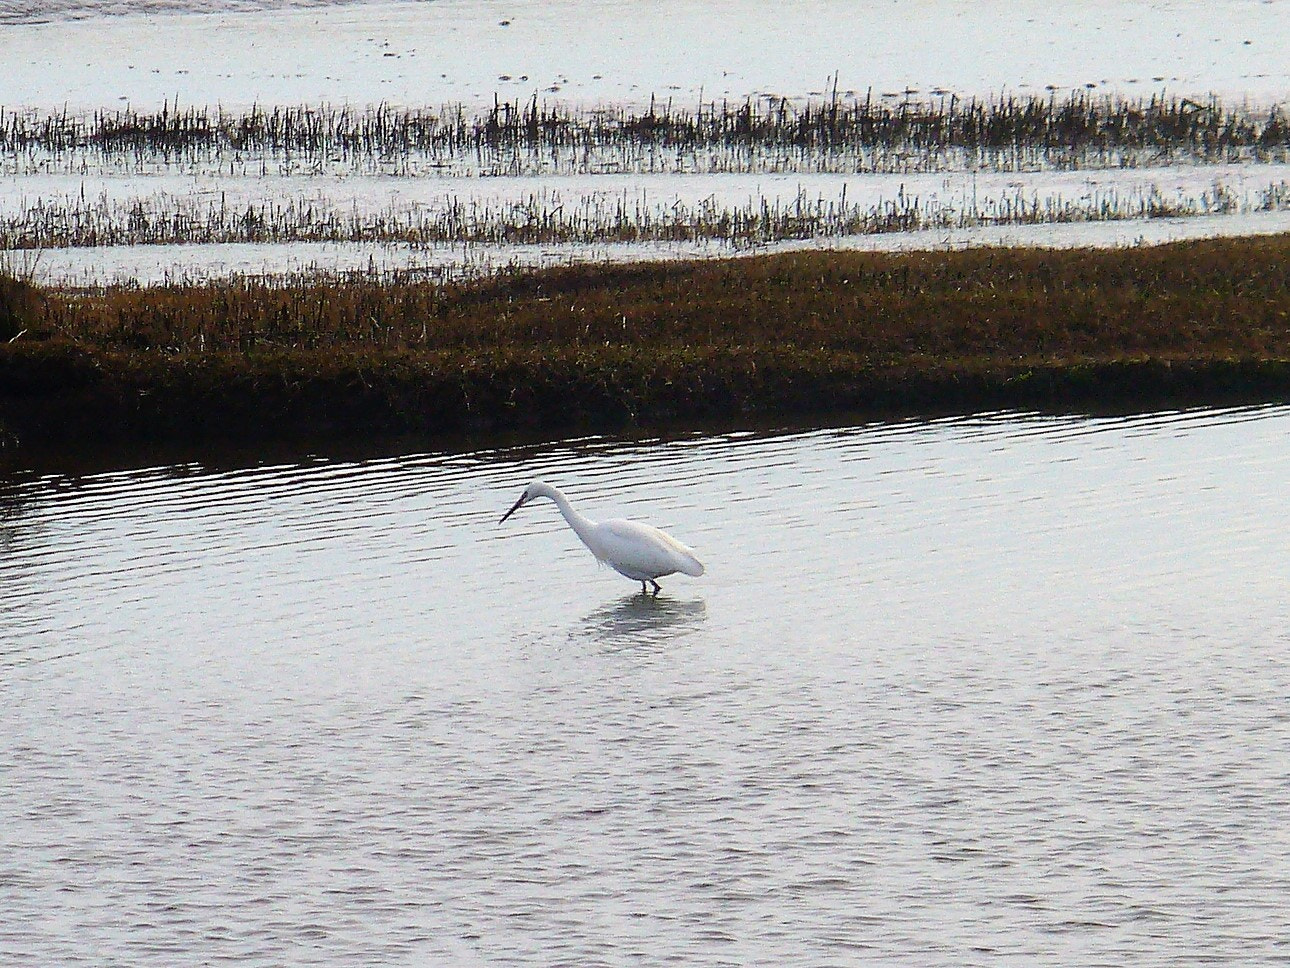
(642, 621)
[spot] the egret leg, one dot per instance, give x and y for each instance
(642, 588)
(657, 587)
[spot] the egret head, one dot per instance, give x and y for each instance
(536, 489)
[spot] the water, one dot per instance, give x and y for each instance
(1001, 690)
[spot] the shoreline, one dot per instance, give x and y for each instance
(649, 345)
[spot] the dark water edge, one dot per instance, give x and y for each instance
(205, 404)
(79, 436)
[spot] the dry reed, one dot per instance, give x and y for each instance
(837, 134)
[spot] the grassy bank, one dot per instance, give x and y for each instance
(607, 346)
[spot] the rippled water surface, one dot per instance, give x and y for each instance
(1000, 690)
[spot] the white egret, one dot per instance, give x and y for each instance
(638, 551)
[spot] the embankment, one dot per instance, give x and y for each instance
(608, 346)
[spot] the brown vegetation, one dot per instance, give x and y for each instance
(19, 305)
(798, 333)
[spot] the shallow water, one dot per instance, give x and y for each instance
(1007, 689)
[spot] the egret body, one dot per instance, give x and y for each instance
(638, 551)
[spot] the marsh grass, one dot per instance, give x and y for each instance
(842, 133)
(20, 300)
(1193, 297)
(798, 333)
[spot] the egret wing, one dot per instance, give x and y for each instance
(641, 551)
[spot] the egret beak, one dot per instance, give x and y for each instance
(513, 509)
